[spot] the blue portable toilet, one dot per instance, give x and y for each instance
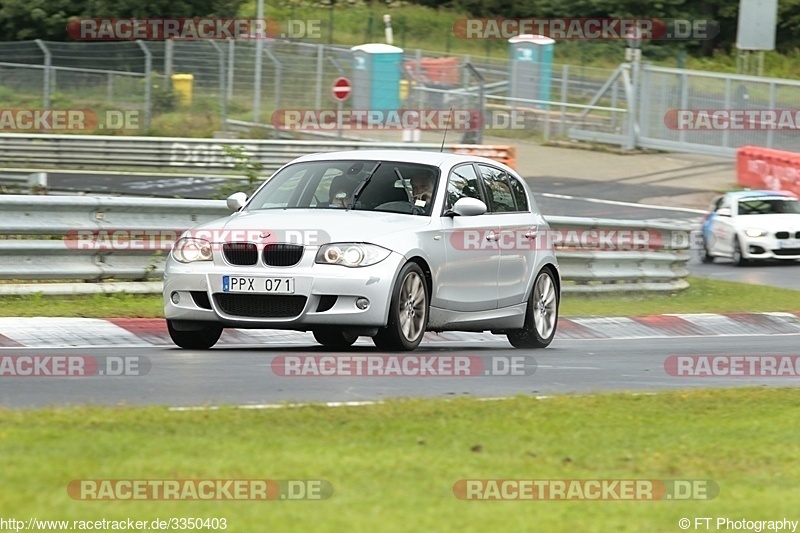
(531, 67)
(376, 76)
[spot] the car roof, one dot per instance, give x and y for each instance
(410, 156)
(744, 195)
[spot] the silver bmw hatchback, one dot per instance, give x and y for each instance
(387, 244)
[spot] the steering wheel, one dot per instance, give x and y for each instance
(400, 206)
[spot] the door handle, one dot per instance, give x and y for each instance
(491, 236)
(532, 233)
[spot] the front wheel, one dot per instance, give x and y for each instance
(201, 339)
(738, 256)
(541, 317)
(408, 312)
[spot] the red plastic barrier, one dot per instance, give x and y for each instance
(436, 70)
(504, 154)
(763, 168)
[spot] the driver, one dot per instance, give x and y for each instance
(422, 189)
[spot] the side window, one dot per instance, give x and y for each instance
(519, 193)
(463, 183)
(501, 199)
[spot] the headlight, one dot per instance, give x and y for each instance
(351, 254)
(755, 232)
(189, 250)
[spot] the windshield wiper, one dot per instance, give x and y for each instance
(408, 191)
(362, 186)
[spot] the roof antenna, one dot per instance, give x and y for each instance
(445, 129)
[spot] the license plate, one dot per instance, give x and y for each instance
(789, 243)
(257, 285)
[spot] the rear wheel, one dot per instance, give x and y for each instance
(334, 338)
(705, 254)
(408, 312)
(194, 339)
(542, 315)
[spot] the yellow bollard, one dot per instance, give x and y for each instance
(403, 90)
(182, 86)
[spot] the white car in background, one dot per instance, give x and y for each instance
(752, 225)
(386, 244)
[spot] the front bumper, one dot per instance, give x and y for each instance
(769, 247)
(326, 294)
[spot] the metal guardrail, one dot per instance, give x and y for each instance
(40, 151)
(58, 255)
(24, 179)
(660, 269)
(61, 217)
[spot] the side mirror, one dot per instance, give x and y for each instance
(724, 211)
(236, 201)
(467, 207)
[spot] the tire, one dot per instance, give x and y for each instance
(738, 256)
(705, 255)
(198, 339)
(541, 318)
(334, 338)
(408, 312)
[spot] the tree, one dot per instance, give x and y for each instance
(22, 20)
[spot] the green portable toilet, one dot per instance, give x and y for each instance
(376, 76)
(531, 67)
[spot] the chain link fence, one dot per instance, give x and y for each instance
(583, 102)
(294, 75)
(665, 89)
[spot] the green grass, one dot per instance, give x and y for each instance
(393, 466)
(703, 296)
(121, 305)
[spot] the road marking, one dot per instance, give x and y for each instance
(616, 202)
(331, 404)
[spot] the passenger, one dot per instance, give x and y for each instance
(341, 191)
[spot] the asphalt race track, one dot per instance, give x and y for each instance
(244, 375)
(781, 274)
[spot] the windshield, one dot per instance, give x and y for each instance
(768, 206)
(392, 187)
